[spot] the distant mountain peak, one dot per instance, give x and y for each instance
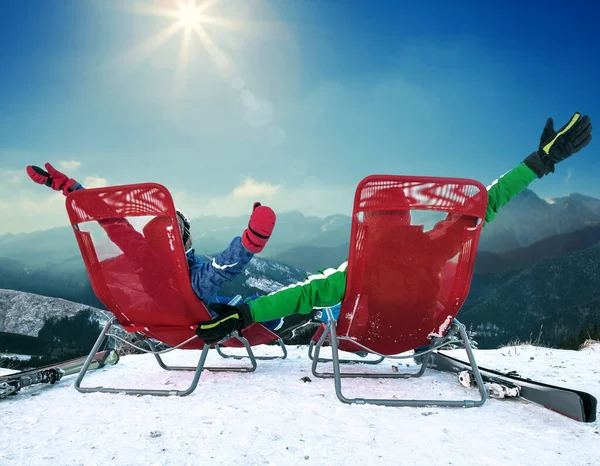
(292, 213)
(528, 193)
(529, 218)
(332, 222)
(576, 196)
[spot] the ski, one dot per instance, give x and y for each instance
(11, 384)
(575, 404)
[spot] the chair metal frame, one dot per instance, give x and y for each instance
(261, 358)
(330, 335)
(311, 347)
(158, 392)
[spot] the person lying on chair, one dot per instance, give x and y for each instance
(207, 277)
(326, 289)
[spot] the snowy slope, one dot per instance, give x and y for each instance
(272, 417)
(25, 313)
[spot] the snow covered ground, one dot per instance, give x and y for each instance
(22, 357)
(272, 417)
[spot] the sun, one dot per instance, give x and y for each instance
(189, 15)
(189, 19)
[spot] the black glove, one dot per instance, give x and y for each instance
(556, 146)
(229, 319)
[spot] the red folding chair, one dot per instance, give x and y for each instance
(132, 249)
(412, 251)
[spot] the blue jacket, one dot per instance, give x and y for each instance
(208, 277)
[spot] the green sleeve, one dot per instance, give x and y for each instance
(324, 289)
(327, 288)
(502, 190)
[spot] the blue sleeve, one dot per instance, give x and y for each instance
(209, 277)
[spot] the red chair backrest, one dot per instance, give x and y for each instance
(132, 249)
(405, 280)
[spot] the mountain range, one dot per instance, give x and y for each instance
(38, 307)
(548, 282)
(312, 243)
(547, 301)
(71, 282)
(25, 313)
(554, 246)
(528, 219)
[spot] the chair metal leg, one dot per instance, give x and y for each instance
(312, 345)
(482, 390)
(330, 330)
(337, 376)
(233, 356)
(135, 391)
(247, 346)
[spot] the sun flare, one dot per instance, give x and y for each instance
(192, 20)
(189, 15)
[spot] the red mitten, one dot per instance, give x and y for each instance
(260, 227)
(52, 178)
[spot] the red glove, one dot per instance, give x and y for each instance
(260, 227)
(52, 178)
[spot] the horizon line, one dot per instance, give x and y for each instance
(547, 200)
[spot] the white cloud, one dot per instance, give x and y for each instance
(252, 188)
(68, 164)
(238, 202)
(35, 207)
(310, 199)
(11, 176)
(94, 182)
(569, 175)
(49, 202)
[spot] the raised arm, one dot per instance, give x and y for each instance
(208, 277)
(554, 147)
(130, 241)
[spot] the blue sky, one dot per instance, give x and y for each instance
(291, 102)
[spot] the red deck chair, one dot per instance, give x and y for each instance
(132, 249)
(412, 249)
